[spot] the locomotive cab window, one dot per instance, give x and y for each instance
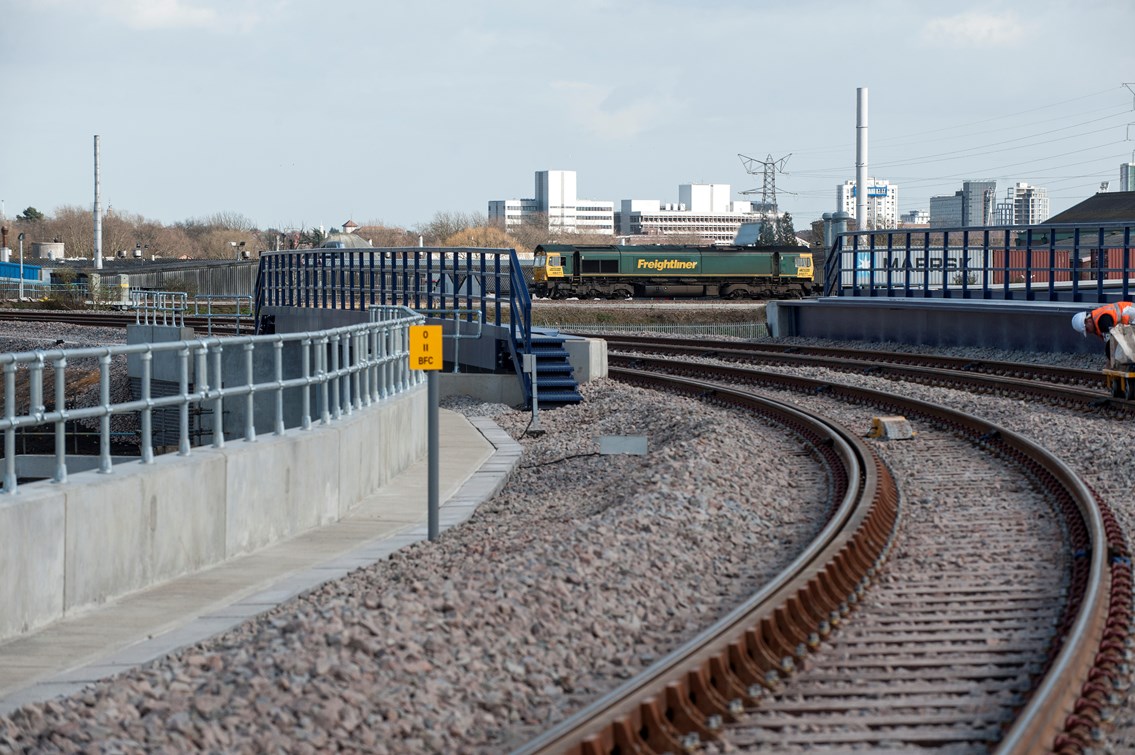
(600, 267)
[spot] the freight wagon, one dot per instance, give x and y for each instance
(620, 272)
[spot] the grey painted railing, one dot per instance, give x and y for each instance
(341, 370)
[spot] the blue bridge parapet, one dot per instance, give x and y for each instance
(1057, 262)
(483, 284)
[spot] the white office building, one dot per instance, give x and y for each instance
(882, 203)
(557, 200)
(704, 210)
(915, 218)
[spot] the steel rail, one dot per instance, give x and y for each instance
(1086, 672)
(1044, 372)
(1060, 394)
(220, 323)
(685, 697)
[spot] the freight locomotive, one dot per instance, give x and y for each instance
(620, 272)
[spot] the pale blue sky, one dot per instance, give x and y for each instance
(299, 113)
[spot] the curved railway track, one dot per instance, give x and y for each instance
(1018, 659)
(855, 358)
(1061, 386)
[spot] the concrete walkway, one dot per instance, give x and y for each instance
(476, 460)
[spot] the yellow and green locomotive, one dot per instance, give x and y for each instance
(619, 272)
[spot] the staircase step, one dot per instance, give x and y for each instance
(555, 377)
(555, 368)
(556, 383)
(559, 397)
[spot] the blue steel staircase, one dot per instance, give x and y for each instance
(488, 280)
(555, 378)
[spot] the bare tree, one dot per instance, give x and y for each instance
(482, 237)
(74, 226)
(382, 236)
(230, 221)
(530, 233)
(445, 224)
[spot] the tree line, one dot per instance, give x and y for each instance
(224, 234)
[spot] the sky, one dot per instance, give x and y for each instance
(300, 114)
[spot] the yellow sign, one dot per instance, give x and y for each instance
(425, 347)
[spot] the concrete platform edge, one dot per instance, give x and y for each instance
(478, 485)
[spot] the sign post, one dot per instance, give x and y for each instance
(425, 354)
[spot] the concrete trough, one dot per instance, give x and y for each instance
(1017, 325)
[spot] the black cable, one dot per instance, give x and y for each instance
(557, 461)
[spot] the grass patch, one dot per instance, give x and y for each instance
(586, 313)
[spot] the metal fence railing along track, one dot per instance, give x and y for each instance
(485, 283)
(1056, 262)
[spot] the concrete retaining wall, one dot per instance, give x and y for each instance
(1025, 326)
(96, 537)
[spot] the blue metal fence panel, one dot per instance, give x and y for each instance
(423, 278)
(12, 270)
(1056, 262)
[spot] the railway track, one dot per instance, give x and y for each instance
(1009, 640)
(216, 325)
(1060, 386)
(855, 358)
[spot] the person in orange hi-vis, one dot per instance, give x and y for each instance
(1101, 320)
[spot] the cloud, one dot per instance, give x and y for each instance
(612, 113)
(151, 15)
(976, 29)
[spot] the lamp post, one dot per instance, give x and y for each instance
(21, 289)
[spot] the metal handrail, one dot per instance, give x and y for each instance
(457, 336)
(444, 278)
(243, 303)
(159, 307)
(1055, 262)
(351, 367)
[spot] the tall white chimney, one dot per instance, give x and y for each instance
(98, 211)
(861, 158)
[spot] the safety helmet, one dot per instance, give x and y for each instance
(1078, 321)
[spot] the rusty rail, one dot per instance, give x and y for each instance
(685, 698)
(1086, 670)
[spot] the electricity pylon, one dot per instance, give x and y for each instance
(769, 210)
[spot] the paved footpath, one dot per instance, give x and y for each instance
(476, 459)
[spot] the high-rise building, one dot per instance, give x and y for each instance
(979, 203)
(1127, 177)
(557, 200)
(947, 211)
(1029, 204)
(882, 203)
(974, 205)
